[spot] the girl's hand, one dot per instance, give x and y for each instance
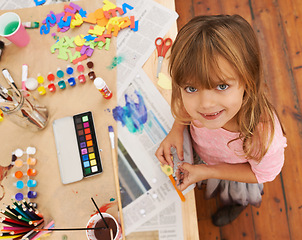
(173, 139)
(188, 174)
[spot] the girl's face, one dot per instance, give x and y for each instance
(217, 107)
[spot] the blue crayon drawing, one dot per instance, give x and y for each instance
(133, 115)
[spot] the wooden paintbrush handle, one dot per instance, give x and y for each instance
(117, 187)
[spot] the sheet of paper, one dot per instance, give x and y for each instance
(146, 190)
(168, 222)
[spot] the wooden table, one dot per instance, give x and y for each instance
(73, 201)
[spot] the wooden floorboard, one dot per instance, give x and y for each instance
(278, 26)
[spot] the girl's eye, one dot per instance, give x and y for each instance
(222, 87)
(190, 89)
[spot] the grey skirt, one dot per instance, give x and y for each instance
(232, 192)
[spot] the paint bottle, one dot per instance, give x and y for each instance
(102, 87)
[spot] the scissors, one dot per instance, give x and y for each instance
(162, 46)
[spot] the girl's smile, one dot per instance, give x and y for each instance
(211, 116)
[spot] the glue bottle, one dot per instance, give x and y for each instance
(102, 87)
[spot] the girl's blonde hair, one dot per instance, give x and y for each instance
(193, 62)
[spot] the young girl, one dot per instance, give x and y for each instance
(218, 89)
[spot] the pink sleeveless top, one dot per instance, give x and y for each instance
(212, 146)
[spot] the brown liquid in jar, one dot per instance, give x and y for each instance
(104, 234)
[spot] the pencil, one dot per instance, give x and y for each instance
(21, 213)
(8, 214)
(13, 221)
(51, 224)
(67, 229)
(36, 222)
(10, 236)
(116, 178)
(17, 206)
(13, 211)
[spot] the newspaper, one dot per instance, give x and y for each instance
(146, 191)
(155, 21)
(167, 222)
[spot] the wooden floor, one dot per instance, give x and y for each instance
(278, 24)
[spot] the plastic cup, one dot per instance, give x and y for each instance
(11, 28)
(93, 222)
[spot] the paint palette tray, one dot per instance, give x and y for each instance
(77, 148)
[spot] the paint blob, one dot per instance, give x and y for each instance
(133, 115)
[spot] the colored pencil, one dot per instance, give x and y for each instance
(14, 228)
(27, 205)
(20, 210)
(4, 234)
(29, 214)
(67, 229)
(50, 225)
(12, 210)
(31, 235)
(16, 232)
(8, 214)
(13, 221)
(26, 236)
(116, 178)
(20, 221)
(10, 236)
(36, 222)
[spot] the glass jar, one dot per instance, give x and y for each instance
(24, 110)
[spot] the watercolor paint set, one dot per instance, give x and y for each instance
(77, 147)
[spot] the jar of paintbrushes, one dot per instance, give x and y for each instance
(23, 109)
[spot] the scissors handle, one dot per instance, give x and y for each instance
(163, 46)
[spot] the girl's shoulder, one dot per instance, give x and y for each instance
(279, 140)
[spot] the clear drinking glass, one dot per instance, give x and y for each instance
(24, 110)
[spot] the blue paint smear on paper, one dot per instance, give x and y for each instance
(133, 115)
